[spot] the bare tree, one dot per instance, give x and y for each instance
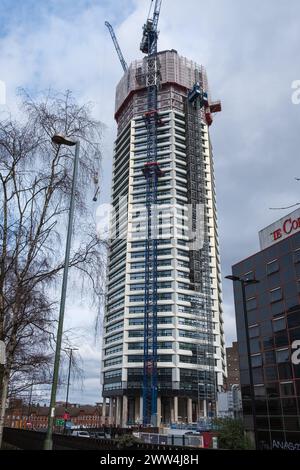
(35, 183)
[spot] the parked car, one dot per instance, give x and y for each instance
(80, 434)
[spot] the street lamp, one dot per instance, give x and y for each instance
(62, 140)
(244, 283)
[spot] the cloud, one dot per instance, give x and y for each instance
(250, 51)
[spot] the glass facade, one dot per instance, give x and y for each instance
(184, 300)
(273, 308)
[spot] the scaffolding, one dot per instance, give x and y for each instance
(201, 301)
(173, 68)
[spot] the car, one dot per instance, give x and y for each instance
(80, 434)
(100, 435)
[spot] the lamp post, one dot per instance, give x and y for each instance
(62, 140)
(244, 283)
(68, 383)
(29, 406)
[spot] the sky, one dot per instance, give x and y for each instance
(251, 54)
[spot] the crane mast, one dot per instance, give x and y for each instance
(152, 173)
(117, 47)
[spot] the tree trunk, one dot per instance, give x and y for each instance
(3, 398)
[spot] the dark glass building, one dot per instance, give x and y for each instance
(273, 310)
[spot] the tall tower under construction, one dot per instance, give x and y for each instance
(190, 360)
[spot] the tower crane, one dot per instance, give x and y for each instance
(117, 47)
(152, 172)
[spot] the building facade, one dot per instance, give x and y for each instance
(190, 321)
(233, 368)
(230, 403)
(273, 310)
(22, 415)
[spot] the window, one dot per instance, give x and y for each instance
(295, 334)
(115, 326)
(112, 386)
(136, 298)
(113, 373)
(276, 294)
(164, 296)
(188, 347)
(282, 355)
(248, 276)
(279, 324)
(281, 339)
(254, 331)
(269, 357)
(271, 373)
(162, 320)
(259, 391)
(113, 350)
(293, 319)
(272, 267)
(113, 361)
(297, 256)
(285, 371)
(136, 310)
(251, 303)
(164, 332)
(164, 308)
(189, 334)
(114, 316)
(164, 358)
(268, 342)
(137, 287)
(135, 333)
(113, 338)
(254, 345)
(258, 375)
(272, 390)
(135, 358)
(135, 346)
(286, 389)
(136, 321)
(164, 345)
(256, 360)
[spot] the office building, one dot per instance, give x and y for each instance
(191, 354)
(273, 310)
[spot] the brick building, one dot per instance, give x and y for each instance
(21, 415)
(233, 369)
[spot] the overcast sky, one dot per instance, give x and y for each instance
(251, 52)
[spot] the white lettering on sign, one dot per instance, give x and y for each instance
(280, 230)
(295, 358)
(285, 445)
